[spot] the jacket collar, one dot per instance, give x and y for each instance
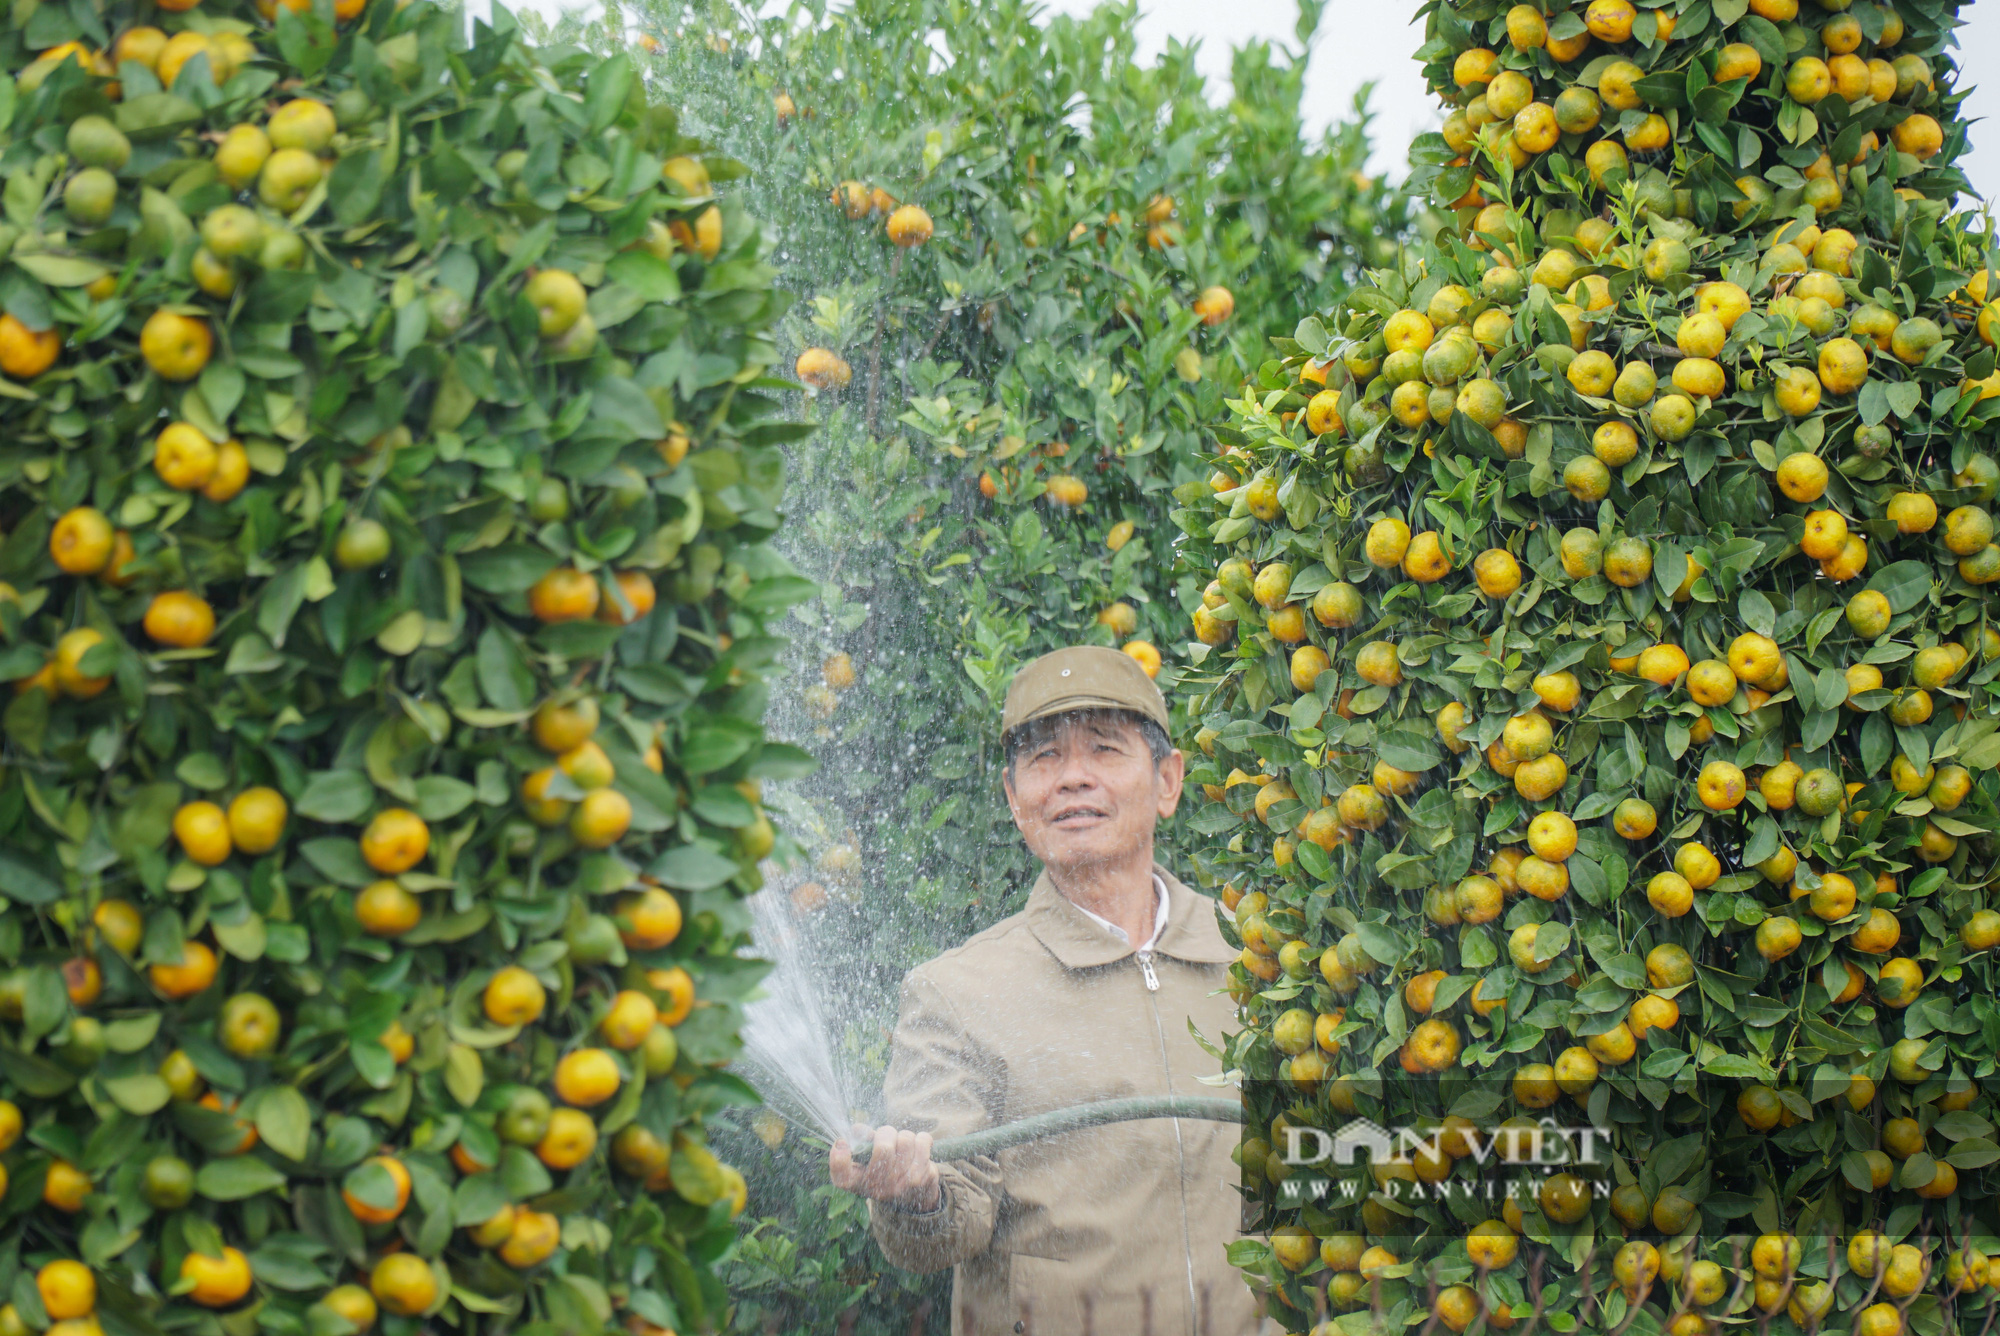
(1191, 933)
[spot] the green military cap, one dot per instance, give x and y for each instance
(1083, 677)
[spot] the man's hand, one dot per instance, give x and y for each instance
(899, 1169)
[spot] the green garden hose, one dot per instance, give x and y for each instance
(1211, 1108)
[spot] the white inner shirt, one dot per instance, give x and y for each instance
(1159, 918)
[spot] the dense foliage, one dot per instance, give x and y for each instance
(1017, 253)
(388, 469)
(1599, 691)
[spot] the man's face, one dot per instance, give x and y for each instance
(1089, 793)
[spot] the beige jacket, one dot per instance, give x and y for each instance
(1041, 1011)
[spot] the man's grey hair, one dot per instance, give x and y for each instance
(1038, 731)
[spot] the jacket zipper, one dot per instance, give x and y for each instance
(1180, 1147)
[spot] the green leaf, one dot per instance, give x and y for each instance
(464, 1075)
(35, 1075)
(510, 568)
(140, 1094)
(237, 1178)
(1757, 612)
(62, 271)
(648, 276)
(1408, 750)
(280, 601)
(284, 1121)
(1476, 950)
(336, 797)
(372, 1185)
(1904, 583)
(154, 115)
(692, 867)
(243, 939)
(440, 797)
(1764, 37)
(606, 91)
(338, 859)
(24, 883)
(222, 390)
(710, 747)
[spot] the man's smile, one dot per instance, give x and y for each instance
(1077, 816)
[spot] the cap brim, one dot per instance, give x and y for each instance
(1076, 704)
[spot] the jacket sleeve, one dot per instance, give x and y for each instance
(940, 1081)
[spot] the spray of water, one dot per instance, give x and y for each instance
(787, 1033)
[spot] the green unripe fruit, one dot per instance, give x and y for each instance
(550, 501)
(86, 1045)
(90, 196)
(282, 249)
(168, 1184)
(233, 232)
(362, 544)
(352, 107)
(595, 941)
(660, 1052)
(95, 142)
(447, 311)
(525, 1118)
(249, 1025)
(1903, 1058)
(1666, 258)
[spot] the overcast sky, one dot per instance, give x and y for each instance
(1364, 40)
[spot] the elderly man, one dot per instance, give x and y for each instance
(1085, 995)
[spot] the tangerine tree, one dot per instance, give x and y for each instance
(390, 466)
(1597, 691)
(1027, 269)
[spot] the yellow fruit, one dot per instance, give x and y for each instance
(534, 1239)
(221, 1281)
(1919, 135)
(1700, 867)
(232, 472)
(1842, 366)
(1670, 894)
(403, 1284)
(395, 841)
(353, 1304)
(1658, 664)
(1756, 659)
(81, 541)
(175, 346)
(184, 457)
(1798, 391)
(1720, 786)
(183, 47)
(513, 997)
(558, 298)
(386, 909)
(909, 225)
(1634, 819)
(587, 1077)
(1711, 682)
(302, 123)
(257, 819)
(569, 1141)
(1496, 572)
(241, 156)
